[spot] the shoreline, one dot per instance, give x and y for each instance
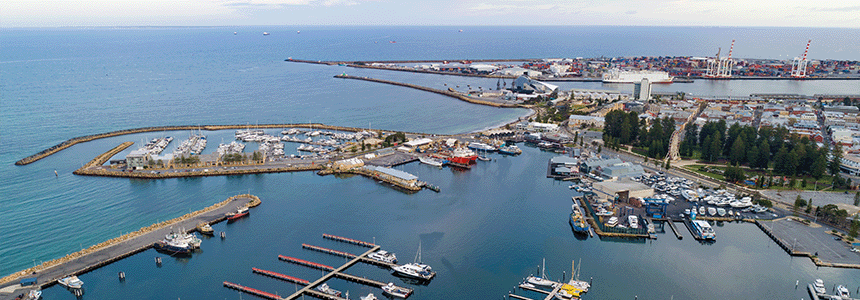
(92, 258)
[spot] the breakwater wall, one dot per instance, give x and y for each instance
(104, 157)
(81, 139)
(448, 93)
(58, 268)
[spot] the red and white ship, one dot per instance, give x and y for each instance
(463, 156)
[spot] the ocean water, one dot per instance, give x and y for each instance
(60, 83)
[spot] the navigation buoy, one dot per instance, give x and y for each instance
(56, 174)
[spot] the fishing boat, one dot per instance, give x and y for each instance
(182, 237)
(327, 290)
(71, 282)
(206, 229)
(430, 161)
(416, 269)
(395, 291)
(463, 156)
(173, 247)
(510, 150)
(240, 212)
(383, 256)
(703, 230)
(577, 222)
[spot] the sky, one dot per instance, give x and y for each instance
(783, 13)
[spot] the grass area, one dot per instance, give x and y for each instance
(696, 155)
(595, 129)
(822, 183)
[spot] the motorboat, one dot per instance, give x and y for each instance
(703, 230)
(721, 211)
(633, 221)
(34, 295)
(328, 290)
(843, 292)
(430, 161)
(690, 195)
(71, 282)
(712, 211)
(819, 287)
(383, 256)
(395, 291)
(701, 210)
(369, 297)
(613, 221)
(206, 229)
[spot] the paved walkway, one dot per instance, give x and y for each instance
(103, 256)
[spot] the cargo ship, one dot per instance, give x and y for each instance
(619, 76)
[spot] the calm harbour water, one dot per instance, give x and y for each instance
(487, 229)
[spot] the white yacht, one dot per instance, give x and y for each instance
(703, 230)
(690, 195)
(633, 221)
(71, 282)
(843, 292)
(415, 269)
(542, 280)
(819, 287)
(721, 211)
(383, 256)
(369, 297)
(712, 211)
(701, 210)
(613, 221)
(327, 290)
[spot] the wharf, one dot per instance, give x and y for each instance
(514, 296)
(124, 246)
(549, 294)
(280, 276)
(306, 263)
(799, 239)
(348, 240)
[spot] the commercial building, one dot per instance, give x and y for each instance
(346, 164)
(622, 190)
(394, 175)
(642, 90)
(526, 85)
(137, 159)
(611, 168)
(579, 121)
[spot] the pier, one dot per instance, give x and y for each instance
(348, 240)
(549, 294)
(674, 230)
(124, 246)
(348, 255)
(251, 291)
(281, 276)
(306, 263)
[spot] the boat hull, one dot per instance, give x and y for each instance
(236, 216)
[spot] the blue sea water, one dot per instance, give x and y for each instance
(60, 83)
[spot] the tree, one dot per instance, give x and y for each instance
(763, 158)
(734, 174)
(668, 166)
(855, 225)
(738, 153)
(798, 203)
(819, 165)
(835, 160)
(857, 199)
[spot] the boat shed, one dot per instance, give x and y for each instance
(346, 164)
(394, 175)
(417, 143)
(623, 190)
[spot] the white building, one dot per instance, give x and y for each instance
(642, 90)
(577, 121)
(542, 127)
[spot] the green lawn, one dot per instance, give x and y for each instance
(823, 182)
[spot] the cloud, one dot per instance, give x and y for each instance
(630, 12)
(283, 3)
(837, 9)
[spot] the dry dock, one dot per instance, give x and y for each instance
(126, 245)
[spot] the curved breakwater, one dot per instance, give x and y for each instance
(128, 244)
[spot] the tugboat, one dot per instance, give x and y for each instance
(240, 212)
(206, 229)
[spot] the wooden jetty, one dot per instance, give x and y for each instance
(518, 297)
(281, 276)
(348, 255)
(348, 240)
(251, 291)
(306, 263)
(674, 230)
(549, 294)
